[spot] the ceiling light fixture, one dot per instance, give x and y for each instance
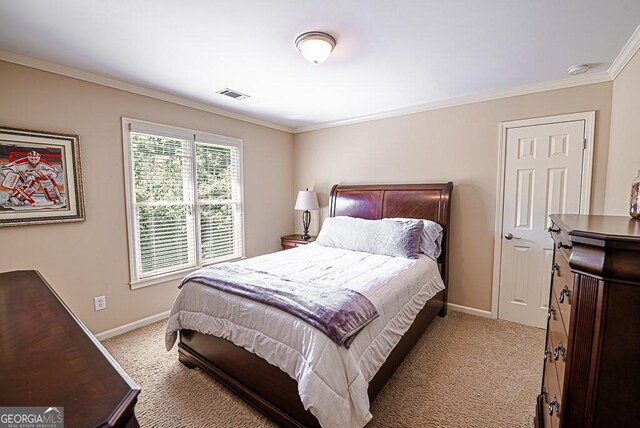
(577, 69)
(315, 46)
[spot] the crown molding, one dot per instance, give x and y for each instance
(128, 87)
(625, 55)
(569, 82)
(628, 51)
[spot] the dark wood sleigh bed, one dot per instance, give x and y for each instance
(274, 392)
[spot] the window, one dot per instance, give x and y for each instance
(184, 200)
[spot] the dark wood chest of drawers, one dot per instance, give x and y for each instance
(49, 358)
(592, 355)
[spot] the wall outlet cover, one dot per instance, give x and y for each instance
(100, 303)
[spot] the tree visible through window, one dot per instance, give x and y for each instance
(186, 205)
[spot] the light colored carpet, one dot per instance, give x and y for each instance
(465, 372)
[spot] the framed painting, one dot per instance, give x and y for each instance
(40, 178)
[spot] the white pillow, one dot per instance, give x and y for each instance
(386, 237)
(430, 239)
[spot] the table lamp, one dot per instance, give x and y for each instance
(306, 202)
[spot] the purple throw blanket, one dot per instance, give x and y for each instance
(338, 312)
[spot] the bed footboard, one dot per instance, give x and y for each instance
(269, 389)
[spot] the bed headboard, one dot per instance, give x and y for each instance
(375, 201)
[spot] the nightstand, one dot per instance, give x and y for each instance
(292, 241)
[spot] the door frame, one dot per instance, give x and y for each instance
(589, 118)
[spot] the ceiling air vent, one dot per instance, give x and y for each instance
(232, 94)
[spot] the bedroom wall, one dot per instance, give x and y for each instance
(624, 147)
(458, 144)
(84, 260)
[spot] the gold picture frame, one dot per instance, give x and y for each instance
(40, 178)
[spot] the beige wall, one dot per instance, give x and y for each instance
(458, 144)
(624, 147)
(84, 260)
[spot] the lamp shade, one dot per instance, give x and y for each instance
(307, 201)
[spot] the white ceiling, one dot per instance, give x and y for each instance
(390, 54)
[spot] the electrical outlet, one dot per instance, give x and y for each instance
(100, 303)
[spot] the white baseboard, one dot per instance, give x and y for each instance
(468, 310)
(157, 317)
(132, 326)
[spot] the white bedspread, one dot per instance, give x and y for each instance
(332, 380)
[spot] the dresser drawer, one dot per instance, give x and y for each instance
(289, 245)
(553, 394)
(546, 420)
(561, 240)
(293, 241)
(557, 345)
(563, 294)
(562, 270)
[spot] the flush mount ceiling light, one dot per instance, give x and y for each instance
(577, 69)
(315, 46)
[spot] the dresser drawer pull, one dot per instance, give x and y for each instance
(563, 293)
(552, 230)
(554, 406)
(559, 350)
(561, 246)
(547, 354)
(551, 311)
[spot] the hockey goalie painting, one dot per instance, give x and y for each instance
(39, 178)
(31, 179)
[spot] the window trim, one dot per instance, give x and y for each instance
(136, 125)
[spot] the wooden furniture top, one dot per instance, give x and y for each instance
(602, 246)
(49, 358)
(297, 238)
(607, 228)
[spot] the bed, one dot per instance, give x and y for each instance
(273, 391)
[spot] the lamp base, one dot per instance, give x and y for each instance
(306, 221)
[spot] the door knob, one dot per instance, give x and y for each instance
(509, 236)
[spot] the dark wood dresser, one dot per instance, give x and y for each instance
(592, 355)
(49, 358)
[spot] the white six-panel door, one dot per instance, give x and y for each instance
(542, 176)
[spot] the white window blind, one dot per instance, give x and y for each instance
(185, 199)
